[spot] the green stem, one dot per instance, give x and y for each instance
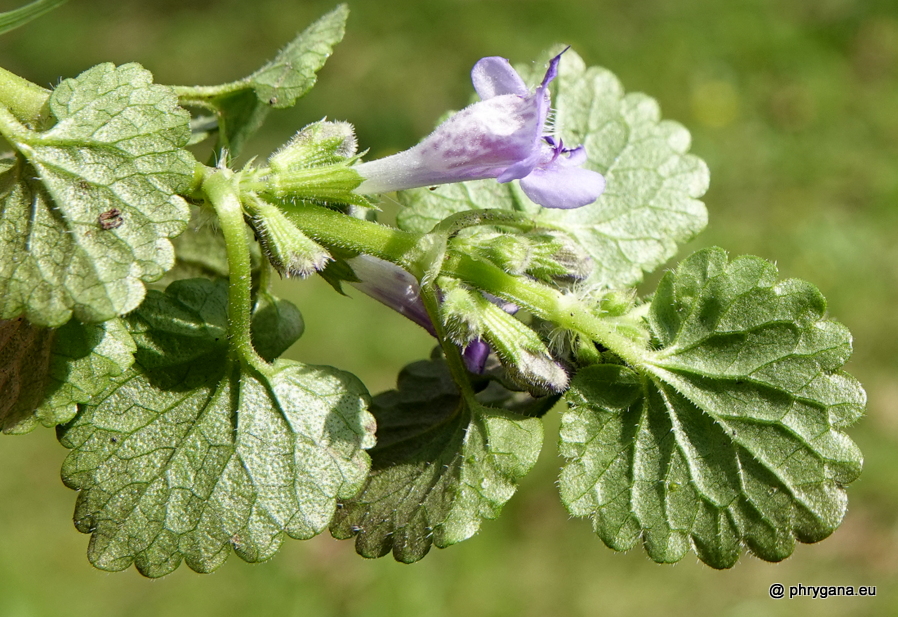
(265, 276)
(221, 186)
(196, 95)
(335, 229)
(451, 352)
(454, 223)
(566, 311)
(28, 102)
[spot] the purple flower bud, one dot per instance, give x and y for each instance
(503, 137)
(391, 285)
(475, 354)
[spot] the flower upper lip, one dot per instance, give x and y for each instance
(500, 137)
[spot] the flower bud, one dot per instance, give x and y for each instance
(512, 253)
(616, 303)
(568, 260)
(318, 144)
(392, 286)
(521, 351)
(460, 311)
(543, 255)
(316, 165)
(290, 251)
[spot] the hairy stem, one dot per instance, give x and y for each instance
(221, 186)
(566, 311)
(335, 229)
(28, 102)
(406, 249)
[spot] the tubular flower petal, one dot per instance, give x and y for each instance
(502, 137)
(396, 288)
(392, 286)
(475, 354)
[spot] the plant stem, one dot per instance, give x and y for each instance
(28, 102)
(450, 350)
(335, 229)
(221, 186)
(405, 249)
(566, 311)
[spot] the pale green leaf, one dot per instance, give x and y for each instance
(86, 221)
(650, 203)
(731, 432)
(47, 372)
(242, 105)
(188, 454)
(440, 466)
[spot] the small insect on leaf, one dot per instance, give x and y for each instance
(111, 219)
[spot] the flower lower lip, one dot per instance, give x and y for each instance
(502, 137)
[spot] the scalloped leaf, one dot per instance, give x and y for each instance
(188, 454)
(47, 372)
(650, 203)
(440, 466)
(731, 433)
(85, 359)
(87, 220)
(242, 105)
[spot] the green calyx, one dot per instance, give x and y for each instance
(548, 256)
(332, 184)
(291, 252)
(315, 166)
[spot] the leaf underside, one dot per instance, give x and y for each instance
(731, 434)
(82, 360)
(187, 454)
(87, 211)
(25, 355)
(440, 466)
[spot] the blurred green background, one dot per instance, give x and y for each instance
(793, 104)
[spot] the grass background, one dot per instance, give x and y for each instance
(793, 104)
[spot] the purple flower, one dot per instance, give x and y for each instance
(475, 354)
(394, 287)
(502, 137)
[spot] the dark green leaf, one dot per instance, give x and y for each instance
(188, 453)
(277, 324)
(730, 433)
(25, 353)
(338, 272)
(201, 252)
(61, 368)
(440, 466)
